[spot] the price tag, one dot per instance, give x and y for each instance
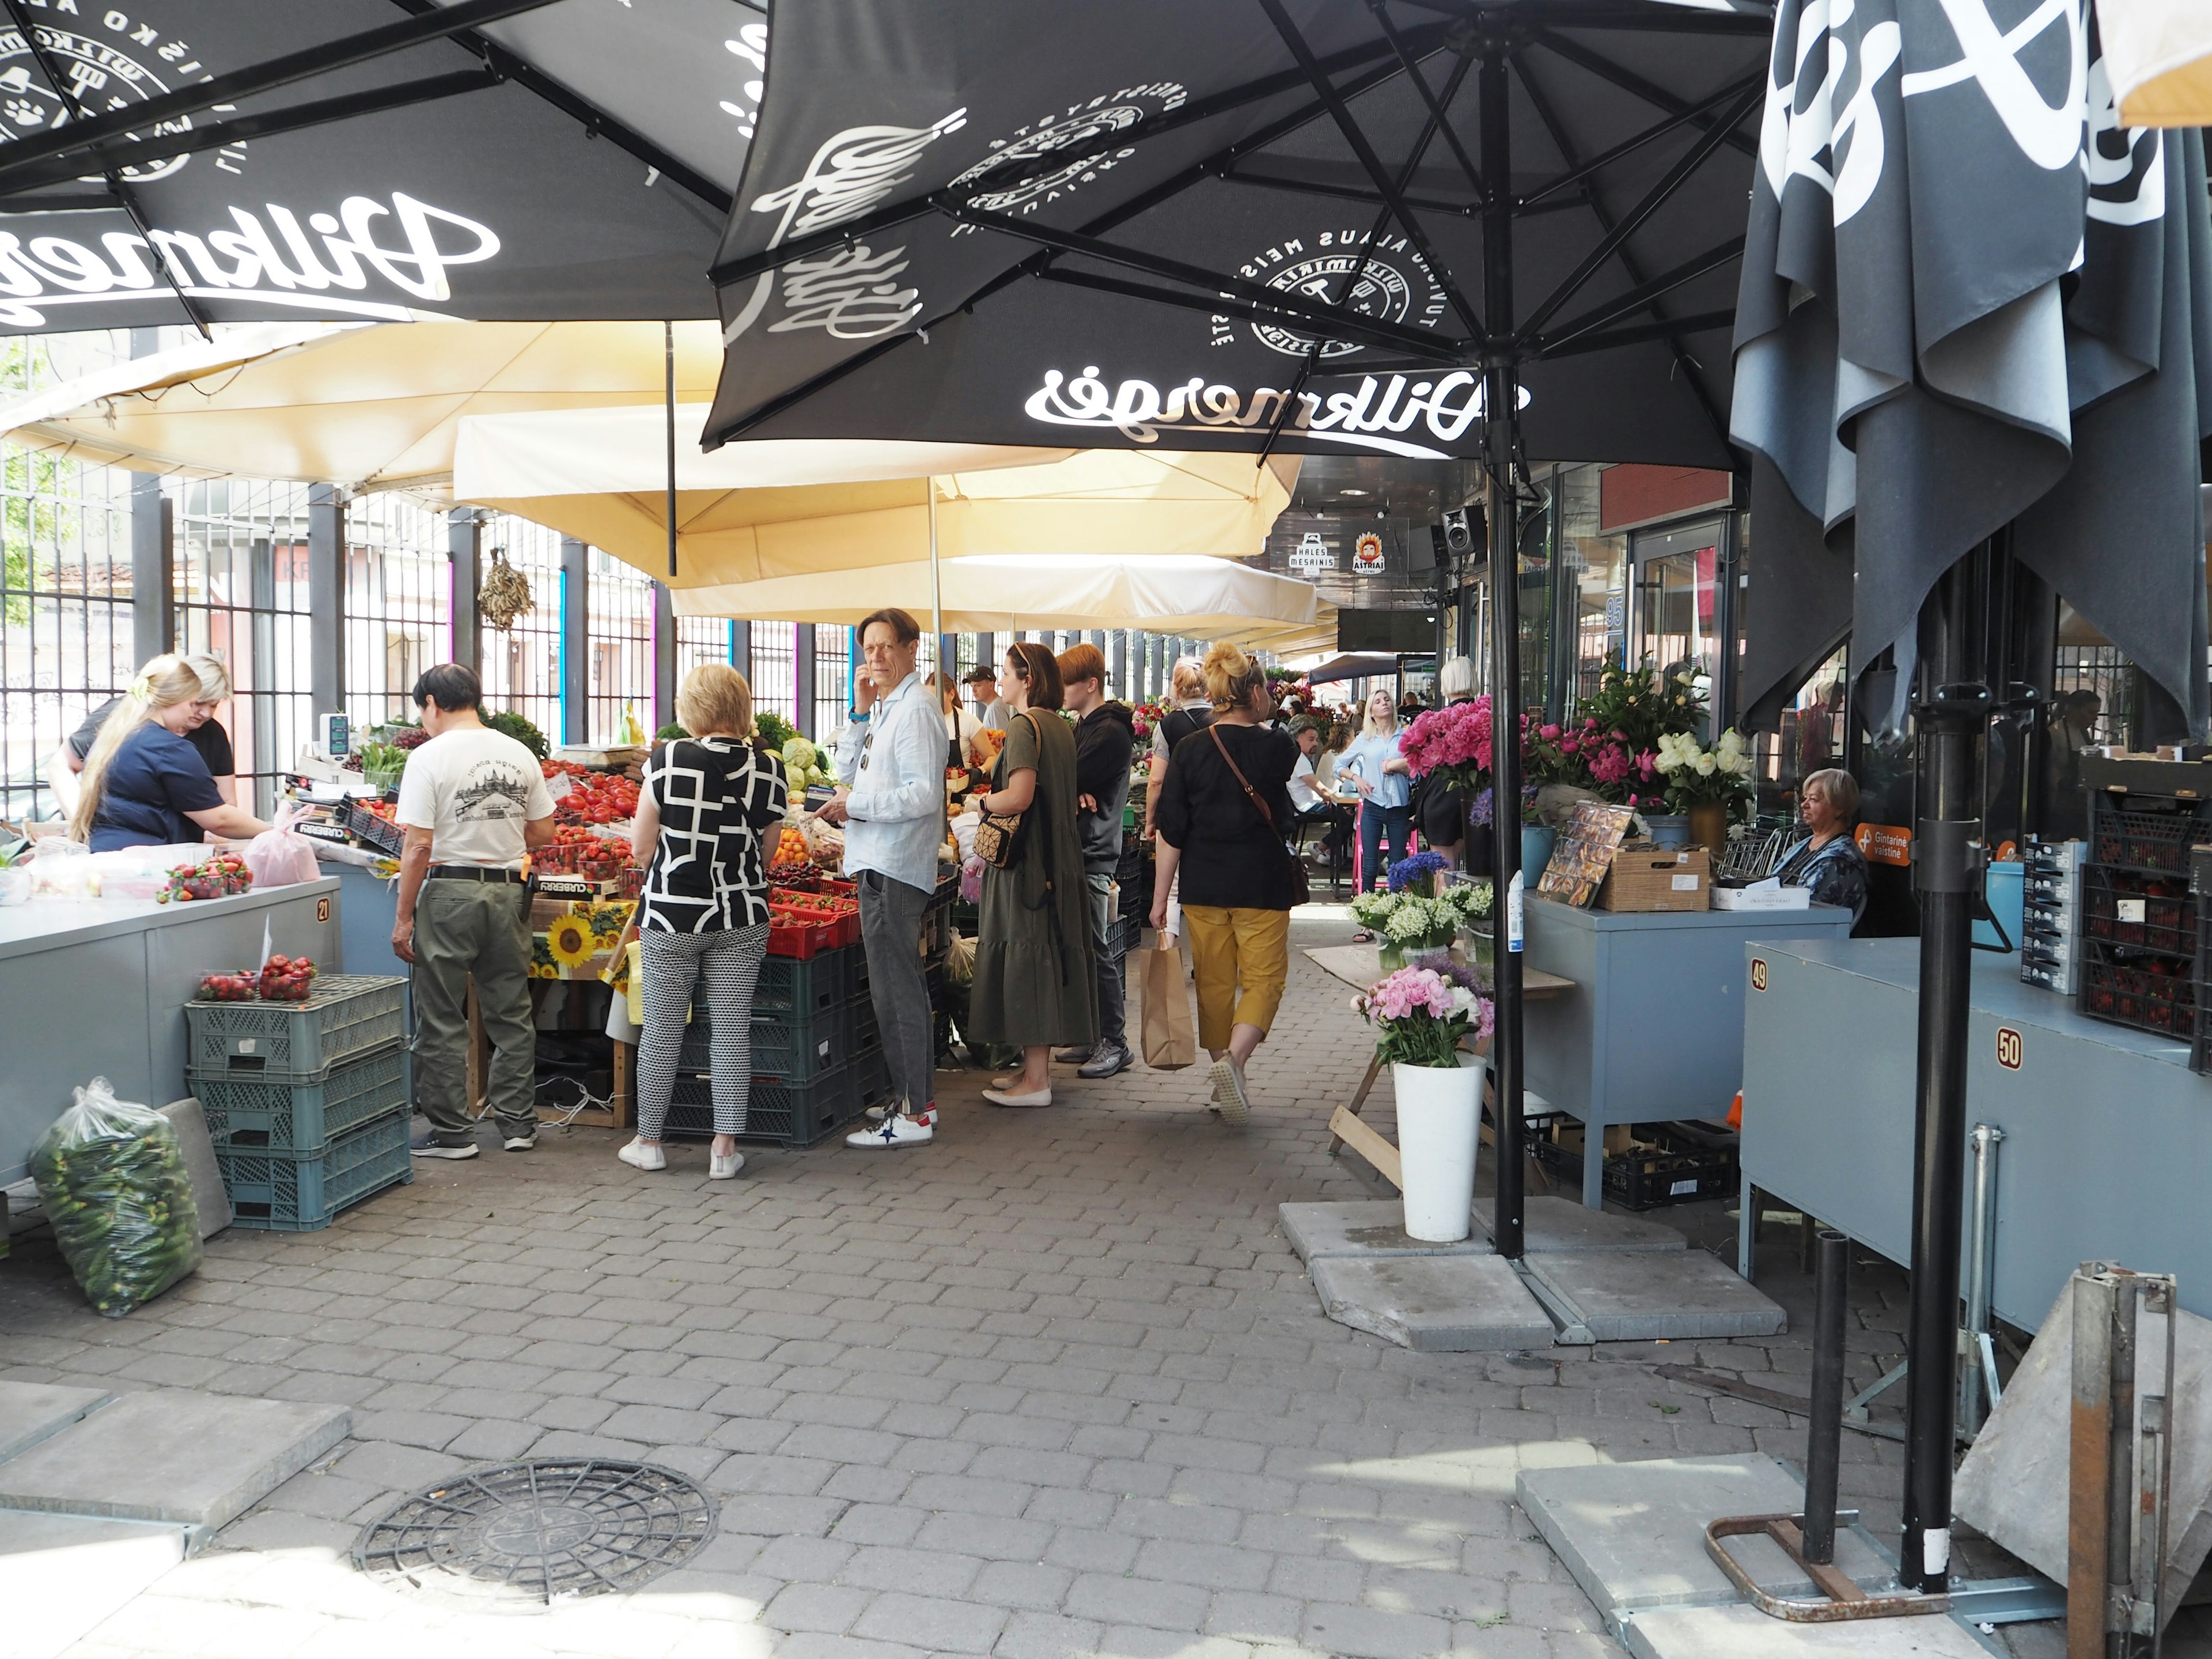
(2134, 909)
(1685, 884)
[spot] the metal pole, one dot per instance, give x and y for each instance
(1947, 865)
(668, 346)
(1824, 1437)
(936, 589)
(1981, 1264)
(1501, 407)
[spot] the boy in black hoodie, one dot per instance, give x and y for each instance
(1105, 740)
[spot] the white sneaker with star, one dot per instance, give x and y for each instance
(897, 1129)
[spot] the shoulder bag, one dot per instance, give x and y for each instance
(998, 837)
(1301, 887)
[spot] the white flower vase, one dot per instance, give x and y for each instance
(1439, 1107)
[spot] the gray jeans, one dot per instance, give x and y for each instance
(1113, 999)
(891, 933)
(468, 930)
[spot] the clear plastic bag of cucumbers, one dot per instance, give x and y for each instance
(112, 1179)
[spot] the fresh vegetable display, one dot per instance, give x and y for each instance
(596, 798)
(244, 985)
(577, 851)
(521, 730)
(112, 1179)
(286, 979)
(803, 764)
(221, 876)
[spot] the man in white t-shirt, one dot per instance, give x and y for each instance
(473, 801)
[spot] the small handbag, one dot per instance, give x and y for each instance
(999, 837)
(1301, 886)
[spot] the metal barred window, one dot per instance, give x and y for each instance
(833, 678)
(398, 603)
(703, 639)
(241, 596)
(66, 643)
(619, 696)
(522, 665)
(773, 644)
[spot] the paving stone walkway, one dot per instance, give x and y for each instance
(1056, 1385)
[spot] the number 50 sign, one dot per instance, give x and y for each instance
(2008, 1047)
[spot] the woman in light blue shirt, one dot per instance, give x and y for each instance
(1373, 766)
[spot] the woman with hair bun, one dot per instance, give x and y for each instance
(1222, 817)
(144, 784)
(1036, 984)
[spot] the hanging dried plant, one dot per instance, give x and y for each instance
(505, 596)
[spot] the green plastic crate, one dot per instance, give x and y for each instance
(348, 1015)
(299, 1192)
(253, 1114)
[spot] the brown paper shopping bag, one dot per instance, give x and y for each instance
(1171, 1041)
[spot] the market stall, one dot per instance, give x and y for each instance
(103, 980)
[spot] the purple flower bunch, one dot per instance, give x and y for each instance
(1408, 870)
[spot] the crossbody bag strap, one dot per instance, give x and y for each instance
(1251, 794)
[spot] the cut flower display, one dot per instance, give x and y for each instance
(1422, 1016)
(1698, 776)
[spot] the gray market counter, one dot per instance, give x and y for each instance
(1654, 1027)
(98, 988)
(2107, 1149)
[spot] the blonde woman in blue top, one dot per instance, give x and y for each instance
(1373, 768)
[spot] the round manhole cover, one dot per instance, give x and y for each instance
(528, 1533)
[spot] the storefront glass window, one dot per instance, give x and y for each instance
(1595, 570)
(1678, 602)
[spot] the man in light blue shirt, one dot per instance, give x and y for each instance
(891, 758)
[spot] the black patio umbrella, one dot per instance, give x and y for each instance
(1972, 304)
(170, 161)
(1256, 224)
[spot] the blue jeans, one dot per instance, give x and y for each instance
(1375, 823)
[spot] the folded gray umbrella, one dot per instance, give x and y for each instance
(1970, 300)
(176, 160)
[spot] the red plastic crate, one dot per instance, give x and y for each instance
(790, 935)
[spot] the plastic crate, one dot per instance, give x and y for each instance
(2115, 990)
(1674, 1167)
(797, 1049)
(2114, 908)
(805, 941)
(348, 1016)
(300, 1192)
(260, 1115)
(790, 985)
(386, 836)
(779, 1110)
(2149, 842)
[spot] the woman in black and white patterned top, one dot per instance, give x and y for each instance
(708, 800)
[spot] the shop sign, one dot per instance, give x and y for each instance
(1885, 843)
(1759, 973)
(1312, 555)
(2008, 1047)
(1367, 554)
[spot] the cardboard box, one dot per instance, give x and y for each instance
(1644, 880)
(1762, 897)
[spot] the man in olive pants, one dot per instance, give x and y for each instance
(473, 802)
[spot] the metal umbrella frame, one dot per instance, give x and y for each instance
(817, 351)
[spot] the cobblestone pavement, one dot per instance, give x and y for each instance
(1054, 1385)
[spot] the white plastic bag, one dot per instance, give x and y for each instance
(281, 856)
(112, 1176)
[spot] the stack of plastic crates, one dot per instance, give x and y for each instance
(814, 1068)
(2051, 914)
(306, 1102)
(2139, 957)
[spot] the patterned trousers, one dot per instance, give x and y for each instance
(670, 964)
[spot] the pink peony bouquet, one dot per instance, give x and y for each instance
(1422, 1016)
(1454, 739)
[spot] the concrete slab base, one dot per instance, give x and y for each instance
(62, 1575)
(1549, 1225)
(1373, 1228)
(1744, 1632)
(1622, 1296)
(32, 1412)
(1435, 1304)
(172, 1455)
(1633, 1535)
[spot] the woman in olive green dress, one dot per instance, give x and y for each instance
(1034, 980)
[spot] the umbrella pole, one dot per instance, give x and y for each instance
(668, 344)
(936, 596)
(1946, 870)
(1501, 414)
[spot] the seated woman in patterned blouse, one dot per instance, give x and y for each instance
(1828, 860)
(707, 802)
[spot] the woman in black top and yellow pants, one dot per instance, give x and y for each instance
(1235, 872)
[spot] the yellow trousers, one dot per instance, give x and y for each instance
(1239, 960)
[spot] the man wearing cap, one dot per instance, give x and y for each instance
(983, 683)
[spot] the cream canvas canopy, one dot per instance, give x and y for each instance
(1070, 540)
(366, 406)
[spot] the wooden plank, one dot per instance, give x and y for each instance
(1370, 1145)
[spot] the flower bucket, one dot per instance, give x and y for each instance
(1439, 1107)
(1536, 841)
(1669, 830)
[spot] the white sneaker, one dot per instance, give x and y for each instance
(639, 1156)
(897, 1129)
(1229, 1092)
(722, 1167)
